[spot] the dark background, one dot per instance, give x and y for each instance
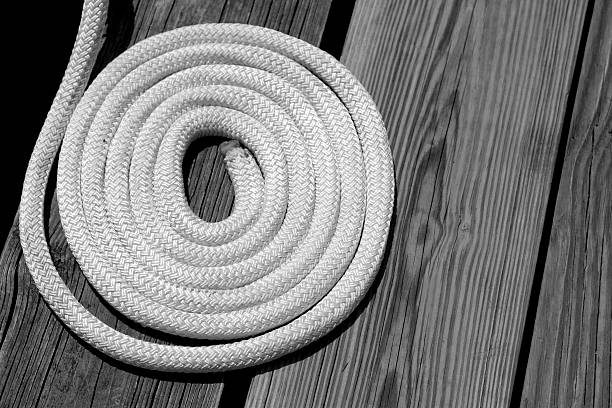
(39, 37)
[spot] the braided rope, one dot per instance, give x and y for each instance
(311, 214)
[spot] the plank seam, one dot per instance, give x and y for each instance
(533, 300)
(336, 27)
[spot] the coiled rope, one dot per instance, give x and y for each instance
(312, 175)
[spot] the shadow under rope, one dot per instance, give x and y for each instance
(536, 286)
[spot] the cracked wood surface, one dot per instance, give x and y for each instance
(473, 94)
(569, 360)
(41, 363)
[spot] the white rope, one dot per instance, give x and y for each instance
(311, 213)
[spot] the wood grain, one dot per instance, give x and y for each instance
(473, 94)
(41, 363)
(569, 362)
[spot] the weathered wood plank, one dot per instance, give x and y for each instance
(41, 363)
(473, 94)
(569, 363)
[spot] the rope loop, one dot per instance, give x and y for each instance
(312, 176)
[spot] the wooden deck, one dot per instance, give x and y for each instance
(496, 289)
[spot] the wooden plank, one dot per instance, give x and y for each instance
(41, 363)
(473, 94)
(569, 363)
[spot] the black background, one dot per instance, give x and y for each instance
(39, 36)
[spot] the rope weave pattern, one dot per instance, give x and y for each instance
(312, 174)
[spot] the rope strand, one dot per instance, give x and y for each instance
(312, 175)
